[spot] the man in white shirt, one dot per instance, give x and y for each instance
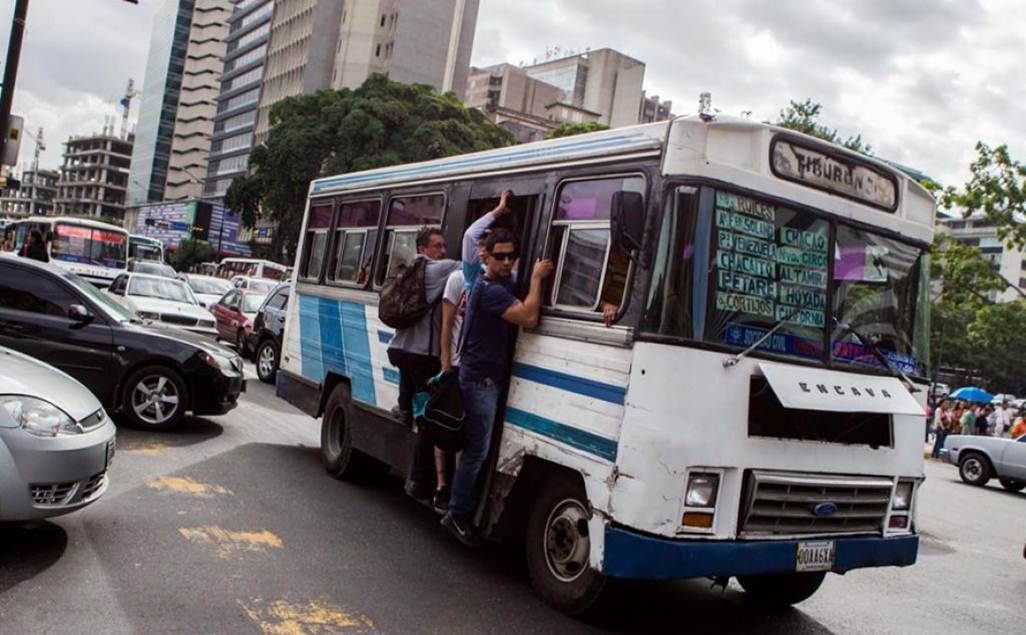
(1000, 419)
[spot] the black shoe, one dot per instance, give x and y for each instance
(441, 502)
(462, 530)
(418, 491)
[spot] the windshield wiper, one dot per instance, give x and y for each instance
(732, 361)
(871, 345)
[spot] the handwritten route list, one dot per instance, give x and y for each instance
(765, 271)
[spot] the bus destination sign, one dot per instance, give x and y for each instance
(836, 174)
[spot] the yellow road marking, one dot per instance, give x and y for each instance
(230, 542)
(314, 617)
(185, 485)
(145, 447)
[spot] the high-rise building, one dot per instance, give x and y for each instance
(602, 81)
(319, 44)
(652, 109)
(94, 176)
(977, 231)
(34, 197)
(197, 100)
(249, 28)
(162, 85)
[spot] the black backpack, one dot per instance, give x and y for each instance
(443, 415)
(403, 300)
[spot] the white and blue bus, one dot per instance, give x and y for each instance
(95, 250)
(756, 409)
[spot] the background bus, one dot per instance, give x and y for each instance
(252, 267)
(95, 250)
(145, 248)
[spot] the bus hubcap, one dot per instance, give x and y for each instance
(566, 540)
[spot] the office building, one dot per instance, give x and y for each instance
(197, 99)
(977, 231)
(653, 109)
(249, 28)
(94, 176)
(162, 85)
(34, 197)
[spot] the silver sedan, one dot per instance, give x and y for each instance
(56, 441)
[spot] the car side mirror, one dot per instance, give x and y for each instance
(80, 314)
(627, 221)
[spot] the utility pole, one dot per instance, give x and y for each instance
(11, 66)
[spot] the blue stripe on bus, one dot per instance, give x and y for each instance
(310, 339)
(385, 337)
(358, 358)
(391, 375)
(574, 437)
(333, 350)
(580, 385)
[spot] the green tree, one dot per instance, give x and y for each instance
(998, 335)
(997, 190)
(191, 252)
(803, 117)
(381, 123)
(570, 129)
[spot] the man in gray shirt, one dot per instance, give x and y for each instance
(415, 350)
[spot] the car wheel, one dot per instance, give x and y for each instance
(267, 361)
(340, 458)
(558, 548)
(1012, 485)
(781, 589)
(240, 342)
(974, 468)
(155, 398)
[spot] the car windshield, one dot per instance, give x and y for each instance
(263, 286)
(209, 286)
(161, 288)
(251, 302)
(114, 309)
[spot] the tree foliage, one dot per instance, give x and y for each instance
(803, 117)
(381, 123)
(997, 190)
(191, 252)
(570, 129)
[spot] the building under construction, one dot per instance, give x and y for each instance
(35, 196)
(94, 176)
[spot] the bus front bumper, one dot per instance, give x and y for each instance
(632, 555)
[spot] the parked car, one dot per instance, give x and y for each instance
(981, 458)
(262, 285)
(152, 267)
(56, 441)
(207, 289)
(235, 313)
(150, 374)
(268, 328)
(164, 300)
(939, 390)
(1003, 397)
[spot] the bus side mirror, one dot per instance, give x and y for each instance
(627, 221)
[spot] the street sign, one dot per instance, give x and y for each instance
(12, 141)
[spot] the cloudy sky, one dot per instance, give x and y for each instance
(921, 80)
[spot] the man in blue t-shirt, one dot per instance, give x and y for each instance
(492, 311)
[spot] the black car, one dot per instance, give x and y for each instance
(268, 329)
(151, 375)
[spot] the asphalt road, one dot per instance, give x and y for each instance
(232, 526)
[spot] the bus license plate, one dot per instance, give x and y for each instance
(815, 556)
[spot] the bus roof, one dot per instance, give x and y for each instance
(643, 140)
(77, 220)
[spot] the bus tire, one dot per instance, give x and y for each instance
(557, 547)
(340, 458)
(781, 589)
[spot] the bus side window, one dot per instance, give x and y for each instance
(355, 236)
(406, 216)
(315, 245)
(591, 273)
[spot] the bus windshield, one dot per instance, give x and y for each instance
(78, 243)
(144, 249)
(761, 264)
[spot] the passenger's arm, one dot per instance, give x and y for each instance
(478, 227)
(448, 317)
(526, 313)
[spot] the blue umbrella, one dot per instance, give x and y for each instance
(972, 393)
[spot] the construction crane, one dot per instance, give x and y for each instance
(40, 147)
(126, 103)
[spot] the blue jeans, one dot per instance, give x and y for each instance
(939, 442)
(480, 401)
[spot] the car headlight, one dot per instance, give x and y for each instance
(701, 490)
(38, 417)
(148, 315)
(903, 496)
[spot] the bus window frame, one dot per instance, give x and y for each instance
(385, 238)
(549, 306)
(332, 263)
(306, 244)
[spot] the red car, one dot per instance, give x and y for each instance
(234, 313)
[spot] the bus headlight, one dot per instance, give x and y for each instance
(903, 495)
(701, 490)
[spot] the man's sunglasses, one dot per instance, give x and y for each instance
(508, 255)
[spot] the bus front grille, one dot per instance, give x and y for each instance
(795, 504)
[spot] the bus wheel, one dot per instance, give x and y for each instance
(781, 589)
(557, 547)
(341, 459)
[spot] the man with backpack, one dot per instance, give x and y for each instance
(410, 302)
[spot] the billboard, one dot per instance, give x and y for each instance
(171, 223)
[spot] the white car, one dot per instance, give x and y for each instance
(980, 458)
(208, 289)
(56, 441)
(260, 285)
(163, 300)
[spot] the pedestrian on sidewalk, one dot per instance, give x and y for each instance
(1000, 420)
(967, 421)
(941, 426)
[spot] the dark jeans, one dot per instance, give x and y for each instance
(414, 371)
(938, 443)
(480, 401)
